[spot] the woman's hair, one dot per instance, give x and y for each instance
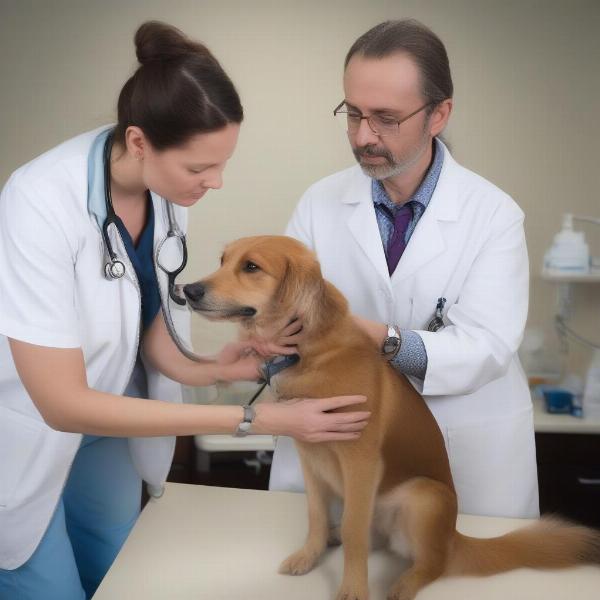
(179, 89)
(420, 43)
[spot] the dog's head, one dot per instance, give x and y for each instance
(262, 282)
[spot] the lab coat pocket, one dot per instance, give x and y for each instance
(493, 466)
(19, 440)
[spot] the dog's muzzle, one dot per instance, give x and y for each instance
(198, 300)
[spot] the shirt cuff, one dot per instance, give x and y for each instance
(411, 359)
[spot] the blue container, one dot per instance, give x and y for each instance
(558, 401)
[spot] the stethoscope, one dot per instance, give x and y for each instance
(437, 322)
(114, 269)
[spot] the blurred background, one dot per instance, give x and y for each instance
(525, 113)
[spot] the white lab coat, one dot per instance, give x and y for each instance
(468, 247)
(53, 293)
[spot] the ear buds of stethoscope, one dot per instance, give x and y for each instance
(437, 322)
(114, 269)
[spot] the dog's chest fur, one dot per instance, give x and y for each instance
(322, 459)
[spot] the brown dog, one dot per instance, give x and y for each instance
(396, 478)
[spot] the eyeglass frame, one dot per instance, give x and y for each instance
(336, 112)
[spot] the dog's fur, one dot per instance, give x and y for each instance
(396, 478)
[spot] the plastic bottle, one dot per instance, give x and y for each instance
(569, 252)
(591, 393)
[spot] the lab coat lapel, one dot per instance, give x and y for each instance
(424, 245)
(427, 241)
(362, 224)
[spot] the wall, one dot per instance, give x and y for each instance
(526, 79)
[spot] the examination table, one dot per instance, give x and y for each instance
(209, 543)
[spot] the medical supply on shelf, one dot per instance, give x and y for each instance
(558, 401)
(568, 262)
(540, 362)
(591, 393)
(569, 252)
(574, 384)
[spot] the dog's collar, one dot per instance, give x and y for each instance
(274, 366)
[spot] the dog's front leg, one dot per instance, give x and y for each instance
(360, 486)
(317, 496)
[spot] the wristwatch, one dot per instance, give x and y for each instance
(392, 342)
(244, 426)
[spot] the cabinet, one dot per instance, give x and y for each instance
(569, 475)
(224, 469)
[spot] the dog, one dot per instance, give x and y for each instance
(395, 479)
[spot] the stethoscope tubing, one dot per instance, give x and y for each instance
(115, 268)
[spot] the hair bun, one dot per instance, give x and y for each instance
(156, 41)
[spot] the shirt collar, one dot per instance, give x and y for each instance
(96, 202)
(423, 193)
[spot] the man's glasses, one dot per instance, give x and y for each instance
(380, 124)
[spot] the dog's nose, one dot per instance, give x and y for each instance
(194, 291)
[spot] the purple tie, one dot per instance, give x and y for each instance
(396, 243)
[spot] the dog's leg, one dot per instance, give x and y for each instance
(425, 513)
(317, 496)
(336, 508)
(361, 480)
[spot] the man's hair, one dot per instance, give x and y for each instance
(420, 43)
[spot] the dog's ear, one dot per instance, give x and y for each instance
(301, 282)
(303, 291)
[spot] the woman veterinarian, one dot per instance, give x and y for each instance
(83, 342)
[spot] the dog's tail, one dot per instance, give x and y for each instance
(550, 543)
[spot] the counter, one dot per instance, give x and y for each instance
(205, 543)
(545, 422)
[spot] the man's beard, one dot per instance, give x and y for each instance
(392, 165)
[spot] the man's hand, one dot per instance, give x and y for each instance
(376, 331)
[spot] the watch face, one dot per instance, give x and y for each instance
(390, 345)
(245, 426)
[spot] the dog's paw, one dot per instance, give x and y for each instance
(400, 592)
(352, 593)
(299, 563)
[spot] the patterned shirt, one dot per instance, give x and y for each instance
(412, 356)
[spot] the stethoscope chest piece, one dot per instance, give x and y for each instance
(437, 322)
(114, 269)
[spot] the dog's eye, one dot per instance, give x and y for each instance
(250, 267)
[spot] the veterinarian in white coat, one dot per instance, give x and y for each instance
(468, 246)
(71, 336)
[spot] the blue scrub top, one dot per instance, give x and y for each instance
(143, 263)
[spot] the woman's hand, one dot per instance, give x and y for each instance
(291, 335)
(240, 361)
(246, 368)
(309, 419)
(280, 342)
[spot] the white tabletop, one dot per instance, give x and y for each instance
(208, 543)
